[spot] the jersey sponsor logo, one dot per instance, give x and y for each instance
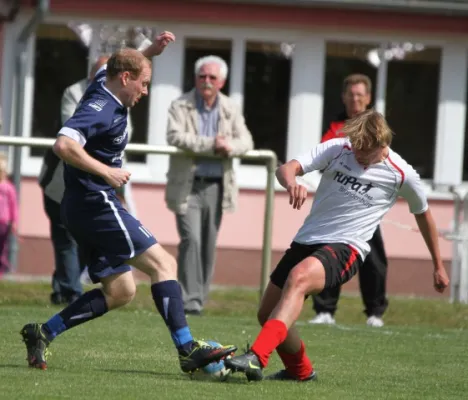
(98, 105)
(352, 183)
(119, 139)
(354, 189)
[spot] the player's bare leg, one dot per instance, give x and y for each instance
(292, 351)
(161, 267)
(119, 289)
(306, 277)
(157, 263)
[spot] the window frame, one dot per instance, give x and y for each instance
(304, 127)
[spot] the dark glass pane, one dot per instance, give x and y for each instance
(139, 117)
(60, 60)
(266, 97)
(411, 107)
(465, 152)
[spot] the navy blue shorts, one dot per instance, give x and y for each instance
(106, 233)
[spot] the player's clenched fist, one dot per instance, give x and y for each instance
(297, 195)
(117, 177)
(162, 40)
(441, 280)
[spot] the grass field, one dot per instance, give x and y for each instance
(421, 353)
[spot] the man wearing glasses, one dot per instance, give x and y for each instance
(198, 189)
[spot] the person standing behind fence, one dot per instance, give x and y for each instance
(356, 97)
(199, 189)
(8, 214)
(66, 284)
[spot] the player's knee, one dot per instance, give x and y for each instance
(168, 266)
(122, 295)
(164, 269)
(128, 293)
(299, 279)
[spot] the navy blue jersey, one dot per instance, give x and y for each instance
(99, 124)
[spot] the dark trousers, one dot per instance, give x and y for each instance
(372, 281)
(68, 268)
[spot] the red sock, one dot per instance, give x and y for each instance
(297, 364)
(273, 333)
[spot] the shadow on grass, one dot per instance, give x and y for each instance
(237, 380)
(142, 372)
(13, 366)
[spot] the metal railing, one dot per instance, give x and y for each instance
(268, 156)
(459, 267)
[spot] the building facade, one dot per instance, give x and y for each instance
(286, 67)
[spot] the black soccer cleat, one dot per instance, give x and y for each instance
(36, 345)
(284, 375)
(203, 354)
(247, 363)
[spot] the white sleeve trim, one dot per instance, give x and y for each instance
(302, 162)
(77, 136)
(422, 211)
(144, 44)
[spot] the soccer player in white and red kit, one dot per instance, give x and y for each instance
(362, 179)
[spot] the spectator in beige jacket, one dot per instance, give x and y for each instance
(199, 189)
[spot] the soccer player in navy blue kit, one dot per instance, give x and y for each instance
(91, 143)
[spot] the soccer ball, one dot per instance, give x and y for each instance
(215, 371)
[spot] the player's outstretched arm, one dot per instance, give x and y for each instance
(428, 230)
(71, 152)
(286, 175)
(160, 42)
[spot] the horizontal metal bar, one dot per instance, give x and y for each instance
(268, 156)
(139, 148)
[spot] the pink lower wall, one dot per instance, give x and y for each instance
(244, 228)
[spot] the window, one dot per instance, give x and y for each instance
(465, 151)
(60, 60)
(343, 59)
(266, 96)
(411, 106)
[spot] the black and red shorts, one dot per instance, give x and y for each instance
(341, 262)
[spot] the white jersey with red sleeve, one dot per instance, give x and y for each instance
(351, 200)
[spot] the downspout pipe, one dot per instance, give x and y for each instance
(42, 9)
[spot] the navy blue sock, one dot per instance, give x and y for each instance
(167, 296)
(90, 305)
